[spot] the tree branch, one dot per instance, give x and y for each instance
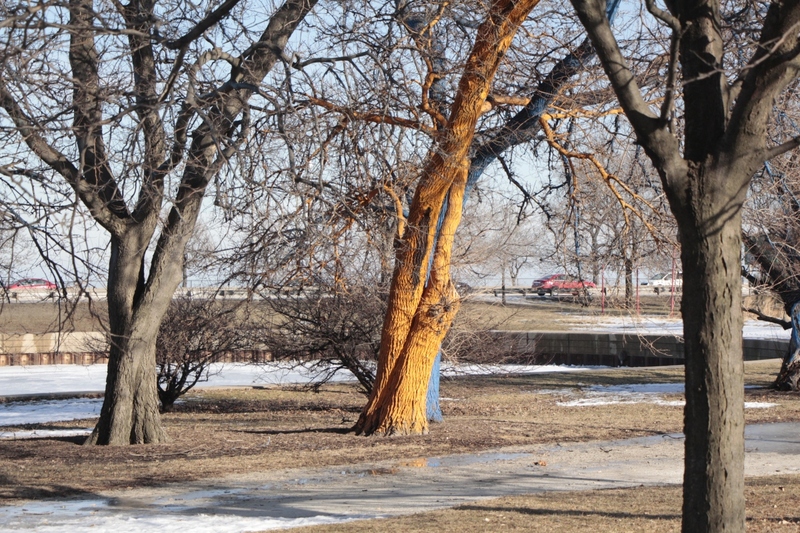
(138, 18)
(664, 16)
(652, 132)
(214, 17)
(788, 146)
(772, 67)
(785, 324)
(299, 65)
(96, 184)
(375, 117)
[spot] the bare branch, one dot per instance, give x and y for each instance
(788, 146)
(664, 16)
(376, 117)
(302, 64)
(785, 324)
(651, 130)
(214, 17)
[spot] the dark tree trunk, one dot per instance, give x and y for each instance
(628, 282)
(714, 414)
(705, 176)
(130, 413)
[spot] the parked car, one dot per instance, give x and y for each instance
(36, 284)
(663, 282)
(556, 284)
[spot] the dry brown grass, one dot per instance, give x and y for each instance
(231, 431)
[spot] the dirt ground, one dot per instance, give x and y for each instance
(45, 317)
(532, 313)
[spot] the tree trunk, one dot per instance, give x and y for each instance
(130, 413)
(714, 414)
(415, 325)
(419, 313)
(789, 377)
(628, 263)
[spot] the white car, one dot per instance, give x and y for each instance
(663, 282)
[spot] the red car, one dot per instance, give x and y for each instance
(32, 284)
(560, 283)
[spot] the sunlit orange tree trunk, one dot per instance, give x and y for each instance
(422, 306)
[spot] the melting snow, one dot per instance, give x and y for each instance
(40, 412)
(640, 393)
(102, 515)
(644, 325)
(44, 379)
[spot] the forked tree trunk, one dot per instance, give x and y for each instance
(419, 313)
(413, 331)
(130, 413)
(714, 415)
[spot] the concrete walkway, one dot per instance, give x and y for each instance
(289, 498)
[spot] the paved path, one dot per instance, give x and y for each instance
(299, 497)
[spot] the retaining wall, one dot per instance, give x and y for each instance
(616, 349)
(606, 349)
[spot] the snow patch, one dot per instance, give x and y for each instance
(640, 393)
(100, 515)
(41, 412)
(44, 433)
(643, 325)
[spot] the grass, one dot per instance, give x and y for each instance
(218, 432)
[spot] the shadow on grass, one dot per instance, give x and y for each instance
(570, 512)
(15, 491)
(227, 406)
(336, 431)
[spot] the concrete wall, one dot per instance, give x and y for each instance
(53, 348)
(615, 349)
(608, 349)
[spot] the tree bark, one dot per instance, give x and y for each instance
(419, 313)
(723, 145)
(714, 414)
(130, 413)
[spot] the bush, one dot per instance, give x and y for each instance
(335, 328)
(194, 335)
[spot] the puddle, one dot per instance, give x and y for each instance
(461, 460)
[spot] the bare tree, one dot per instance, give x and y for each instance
(136, 114)
(420, 312)
(706, 139)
